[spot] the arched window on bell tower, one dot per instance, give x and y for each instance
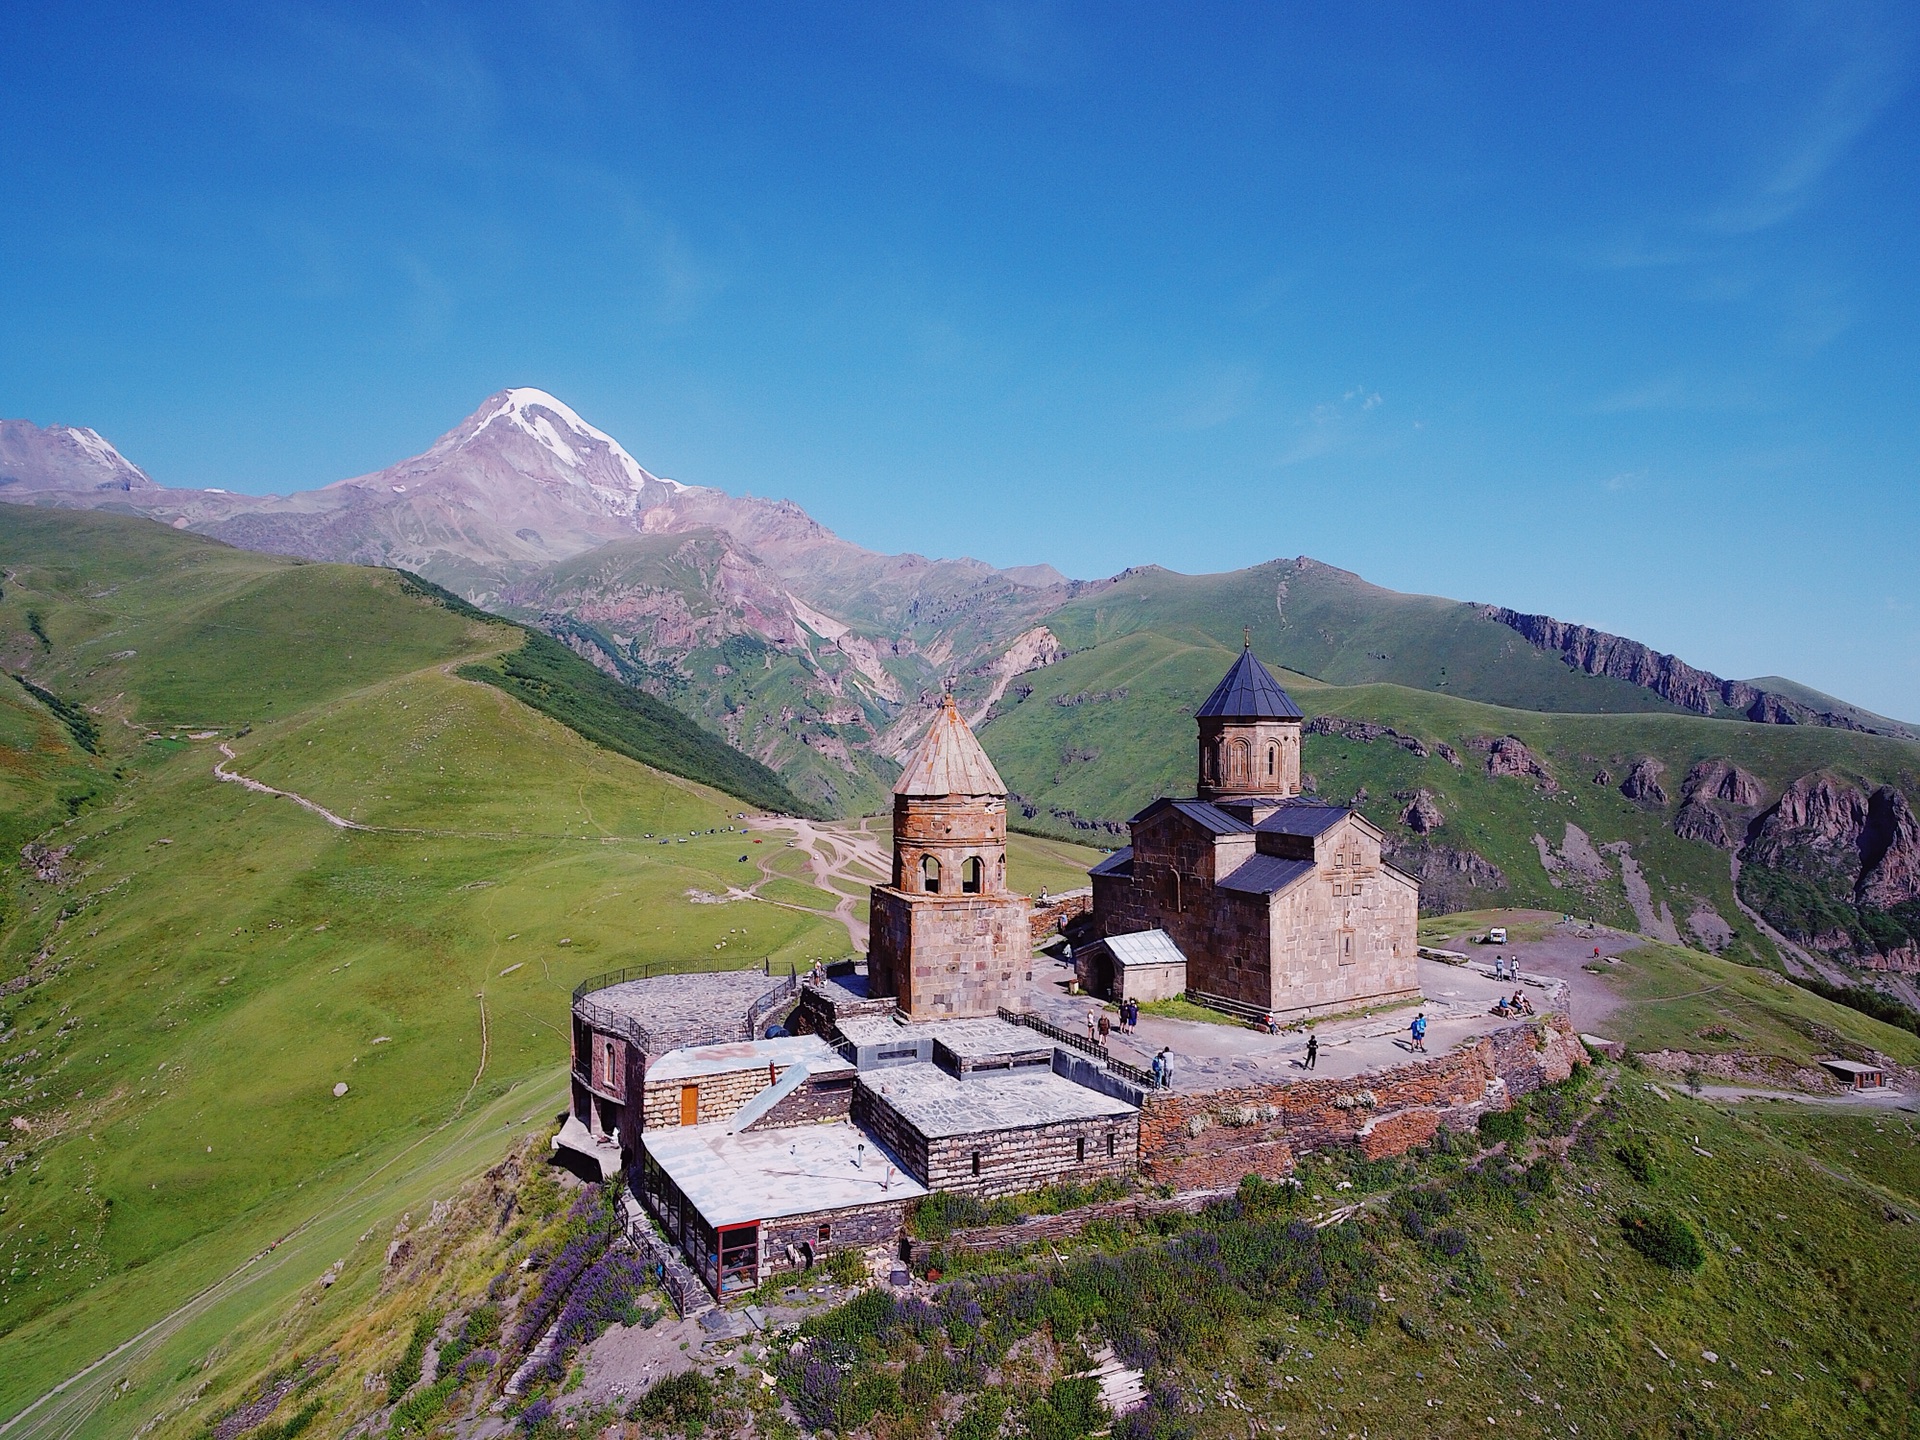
(929, 874)
(970, 873)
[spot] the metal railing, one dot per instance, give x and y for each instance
(1066, 1037)
(614, 1022)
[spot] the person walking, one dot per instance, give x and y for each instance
(1163, 1067)
(1313, 1049)
(1093, 1029)
(1106, 1027)
(1419, 1032)
(1133, 1016)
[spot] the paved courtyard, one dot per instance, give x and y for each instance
(1209, 1056)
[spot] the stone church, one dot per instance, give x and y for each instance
(1278, 901)
(948, 940)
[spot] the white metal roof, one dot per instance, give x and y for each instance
(1145, 947)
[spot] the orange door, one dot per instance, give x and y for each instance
(689, 1104)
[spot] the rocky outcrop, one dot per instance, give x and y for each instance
(1449, 877)
(1595, 652)
(1819, 818)
(1422, 815)
(1838, 868)
(1710, 785)
(1642, 785)
(1366, 733)
(1698, 821)
(1889, 852)
(1721, 779)
(1507, 755)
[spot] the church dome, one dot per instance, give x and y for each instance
(1249, 692)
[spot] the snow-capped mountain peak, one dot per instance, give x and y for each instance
(558, 428)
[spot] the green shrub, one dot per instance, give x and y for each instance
(936, 1216)
(1664, 1238)
(406, 1372)
(1498, 1125)
(418, 1412)
(847, 1267)
(984, 1415)
(683, 1402)
(1069, 1410)
(1637, 1156)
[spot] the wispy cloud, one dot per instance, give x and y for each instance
(1851, 67)
(1331, 425)
(1213, 398)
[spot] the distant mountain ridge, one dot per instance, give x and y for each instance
(818, 657)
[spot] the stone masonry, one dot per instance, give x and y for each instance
(1210, 1140)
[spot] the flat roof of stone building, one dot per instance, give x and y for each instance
(728, 1056)
(939, 1106)
(968, 1039)
(687, 1009)
(769, 1174)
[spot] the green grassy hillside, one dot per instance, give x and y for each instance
(1334, 626)
(1109, 728)
(206, 963)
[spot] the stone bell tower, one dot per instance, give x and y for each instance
(1249, 736)
(948, 939)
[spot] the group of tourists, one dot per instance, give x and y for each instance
(1163, 1069)
(1100, 1025)
(1506, 1009)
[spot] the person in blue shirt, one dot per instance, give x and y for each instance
(1419, 1032)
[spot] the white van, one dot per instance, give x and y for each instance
(1497, 935)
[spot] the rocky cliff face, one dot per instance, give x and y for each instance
(1889, 852)
(1838, 867)
(1597, 653)
(1721, 779)
(1450, 878)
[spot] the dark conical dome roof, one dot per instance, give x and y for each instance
(1249, 692)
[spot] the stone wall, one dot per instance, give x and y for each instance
(868, 1225)
(1210, 1140)
(721, 1095)
(1347, 934)
(943, 957)
(1013, 1161)
(814, 1103)
(1056, 912)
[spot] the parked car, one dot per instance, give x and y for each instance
(1497, 935)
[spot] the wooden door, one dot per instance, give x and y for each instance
(689, 1104)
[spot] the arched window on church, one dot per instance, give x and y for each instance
(970, 873)
(929, 874)
(1240, 761)
(1273, 755)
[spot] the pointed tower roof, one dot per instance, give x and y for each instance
(1249, 692)
(949, 761)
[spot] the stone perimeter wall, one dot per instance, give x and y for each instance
(1210, 1140)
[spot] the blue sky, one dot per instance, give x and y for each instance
(1606, 312)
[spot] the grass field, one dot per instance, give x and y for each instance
(213, 961)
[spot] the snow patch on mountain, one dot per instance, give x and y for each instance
(521, 407)
(99, 449)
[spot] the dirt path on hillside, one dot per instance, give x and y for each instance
(221, 772)
(836, 853)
